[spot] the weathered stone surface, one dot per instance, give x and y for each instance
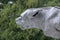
(46, 19)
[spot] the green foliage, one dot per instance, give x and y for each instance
(8, 28)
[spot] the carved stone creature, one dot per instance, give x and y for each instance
(47, 19)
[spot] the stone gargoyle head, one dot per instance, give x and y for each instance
(47, 19)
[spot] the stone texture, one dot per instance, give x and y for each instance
(47, 19)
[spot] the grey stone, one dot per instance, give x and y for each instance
(47, 19)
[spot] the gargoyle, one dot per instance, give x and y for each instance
(47, 19)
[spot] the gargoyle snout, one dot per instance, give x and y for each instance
(18, 20)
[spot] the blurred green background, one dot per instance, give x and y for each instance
(11, 9)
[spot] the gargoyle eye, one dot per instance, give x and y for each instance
(57, 29)
(35, 14)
